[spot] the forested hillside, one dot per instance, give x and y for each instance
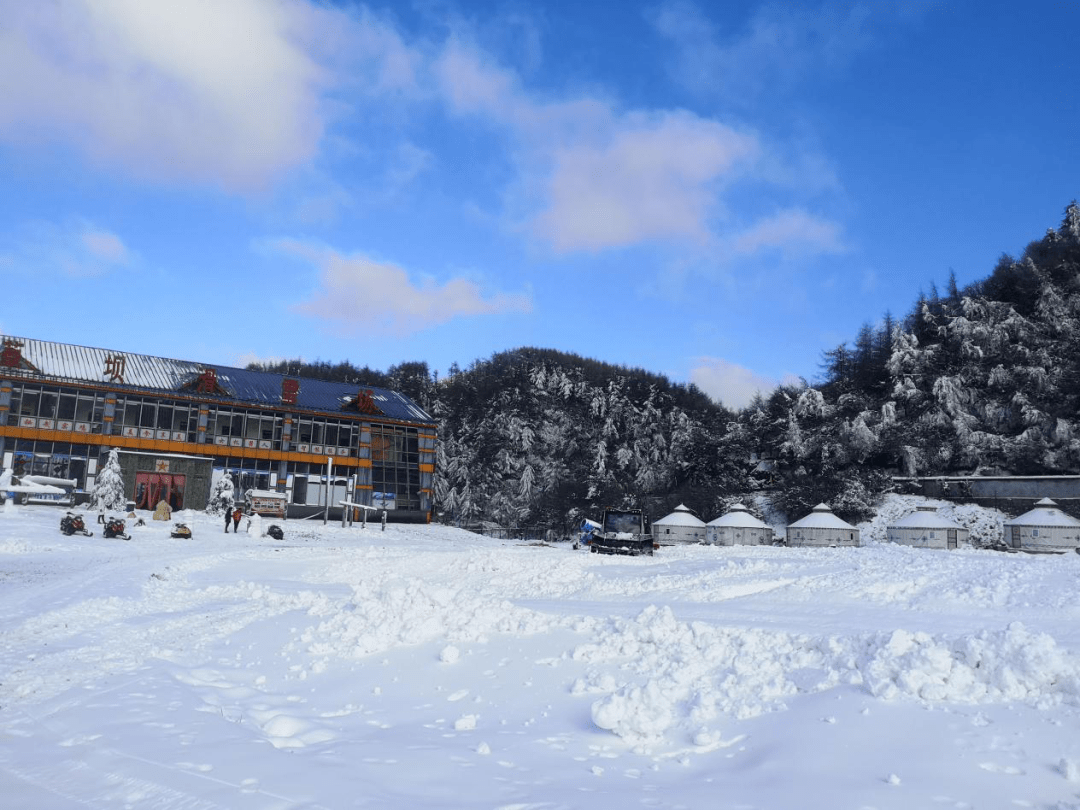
(980, 380)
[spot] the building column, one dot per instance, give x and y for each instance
(5, 408)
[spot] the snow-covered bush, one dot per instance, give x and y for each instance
(108, 492)
(223, 497)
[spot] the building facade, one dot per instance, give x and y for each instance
(62, 407)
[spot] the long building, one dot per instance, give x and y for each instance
(63, 407)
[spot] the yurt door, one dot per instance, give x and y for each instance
(952, 538)
(1016, 537)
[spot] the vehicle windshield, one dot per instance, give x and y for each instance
(623, 522)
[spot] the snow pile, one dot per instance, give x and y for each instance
(387, 614)
(695, 674)
(986, 525)
(1010, 665)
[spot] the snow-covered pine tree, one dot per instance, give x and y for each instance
(223, 496)
(108, 492)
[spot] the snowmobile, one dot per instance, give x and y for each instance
(114, 527)
(72, 523)
(274, 531)
(181, 531)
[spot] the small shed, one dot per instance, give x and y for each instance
(822, 528)
(1044, 528)
(738, 528)
(681, 526)
(925, 528)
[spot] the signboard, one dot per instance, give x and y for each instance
(179, 436)
(131, 433)
(384, 500)
(221, 440)
(265, 444)
(146, 433)
(82, 427)
(290, 388)
(48, 424)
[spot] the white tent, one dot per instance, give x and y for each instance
(822, 528)
(738, 528)
(681, 526)
(925, 528)
(1044, 528)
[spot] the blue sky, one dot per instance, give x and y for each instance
(715, 192)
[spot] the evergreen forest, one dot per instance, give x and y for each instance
(980, 380)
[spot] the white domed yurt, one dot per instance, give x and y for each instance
(738, 528)
(822, 528)
(925, 528)
(1044, 528)
(681, 526)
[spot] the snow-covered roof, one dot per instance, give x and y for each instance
(738, 517)
(682, 516)
(822, 518)
(48, 361)
(265, 493)
(1045, 513)
(925, 517)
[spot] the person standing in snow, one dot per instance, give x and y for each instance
(101, 515)
(236, 515)
(228, 519)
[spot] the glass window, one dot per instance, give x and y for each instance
(84, 408)
(66, 408)
(147, 415)
(47, 406)
(29, 403)
(180, 416)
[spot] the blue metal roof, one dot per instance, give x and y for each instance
(63, 362)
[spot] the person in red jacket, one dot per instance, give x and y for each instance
(236, 515)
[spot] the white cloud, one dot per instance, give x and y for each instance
(652, 179)
(595, 176)
(729, 383)
(779, 45)
(792, 231)
(226, 93)
(105, 246)
(360, 293)
(75, 248)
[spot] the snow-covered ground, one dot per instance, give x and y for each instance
(425, 667)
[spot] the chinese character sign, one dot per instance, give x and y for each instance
(290, 389)
(115, 367)
(11, 354)
(365, 403)
(206, 383)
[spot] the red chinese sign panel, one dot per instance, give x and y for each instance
(290, 390)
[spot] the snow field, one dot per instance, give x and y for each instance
(426, 667)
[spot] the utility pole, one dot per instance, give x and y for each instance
(329, 484)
